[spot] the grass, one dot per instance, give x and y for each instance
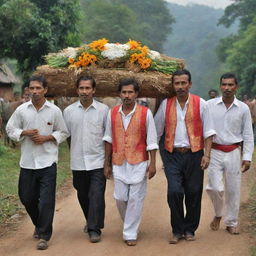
(9, 175)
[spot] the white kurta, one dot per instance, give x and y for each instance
(130, 180)
(132, 173)
(48, 121)
(232, 125)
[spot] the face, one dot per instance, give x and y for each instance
(85, 90)
(228, 87)
(128, 95)
(36, 90)
(26, 95)
(181, 85)
(212, 95)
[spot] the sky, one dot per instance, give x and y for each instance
(212, 3)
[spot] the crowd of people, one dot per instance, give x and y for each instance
(191, 134)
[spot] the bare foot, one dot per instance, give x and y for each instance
(215, 224)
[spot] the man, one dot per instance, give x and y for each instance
(212, 94)
(86, 120)
(185, 122)
(233, 126)
(40, 127)
(130, 133)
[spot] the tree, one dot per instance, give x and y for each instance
(39, 28)
(120, 20)
(239, 51)
(106, 19)
(153, 20)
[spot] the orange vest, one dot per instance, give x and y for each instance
(129, 144)
(192, 120)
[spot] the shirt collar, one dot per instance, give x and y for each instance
(121, 111)
(177, 102)
(220, 100)
(94, 104)
(46, 104)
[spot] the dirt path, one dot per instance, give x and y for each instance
(69, 240)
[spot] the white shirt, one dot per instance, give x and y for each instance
(86, 128)
(181, 136)
(47, 120)
(232, 125)
(132, 173)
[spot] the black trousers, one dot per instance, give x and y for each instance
(37, 189)
(185, 181)
(90, 186)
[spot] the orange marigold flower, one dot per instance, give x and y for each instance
(144, 50)
(134, 44)
(134, 57)
(77, 64)
(92, 58)
(71, 60)
(145, 63)
(98, 45)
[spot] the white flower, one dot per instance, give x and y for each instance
(69, 52)
(113, 51)
(154, 55)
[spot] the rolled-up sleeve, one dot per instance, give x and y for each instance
(248, 139)
(208, 124)
(14, 127)
(151, 132)
(108, 131)
(160, 119)
(60, 131)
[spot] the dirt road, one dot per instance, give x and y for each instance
(69, 240)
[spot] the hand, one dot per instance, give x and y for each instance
(205, 162)
(246, 165)
(39, 139)
(151, 171)
(107, 171)
(30, 132)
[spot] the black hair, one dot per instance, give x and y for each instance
(229, 75)
(180, 72)
(38, 78)
(86, 78)
(128, 81)
(213, 90)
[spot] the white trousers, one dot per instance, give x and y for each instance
(129, 201)
(224, 174)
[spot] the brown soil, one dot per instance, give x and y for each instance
(69, 240)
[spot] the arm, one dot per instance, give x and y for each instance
(248, 141)
(151, 171)
(207, 152)
(107, 162)
(14, 127)
(160, 120)
(108, 147)
(151, 144)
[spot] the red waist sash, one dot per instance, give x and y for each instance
(225, 148)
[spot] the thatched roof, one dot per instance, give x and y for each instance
(6, 75)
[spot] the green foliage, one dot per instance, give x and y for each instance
(239, 51)
(31, 28)
(120, 20)
(105, 19)
(153, 21)
(196, 41)
(242, 9)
